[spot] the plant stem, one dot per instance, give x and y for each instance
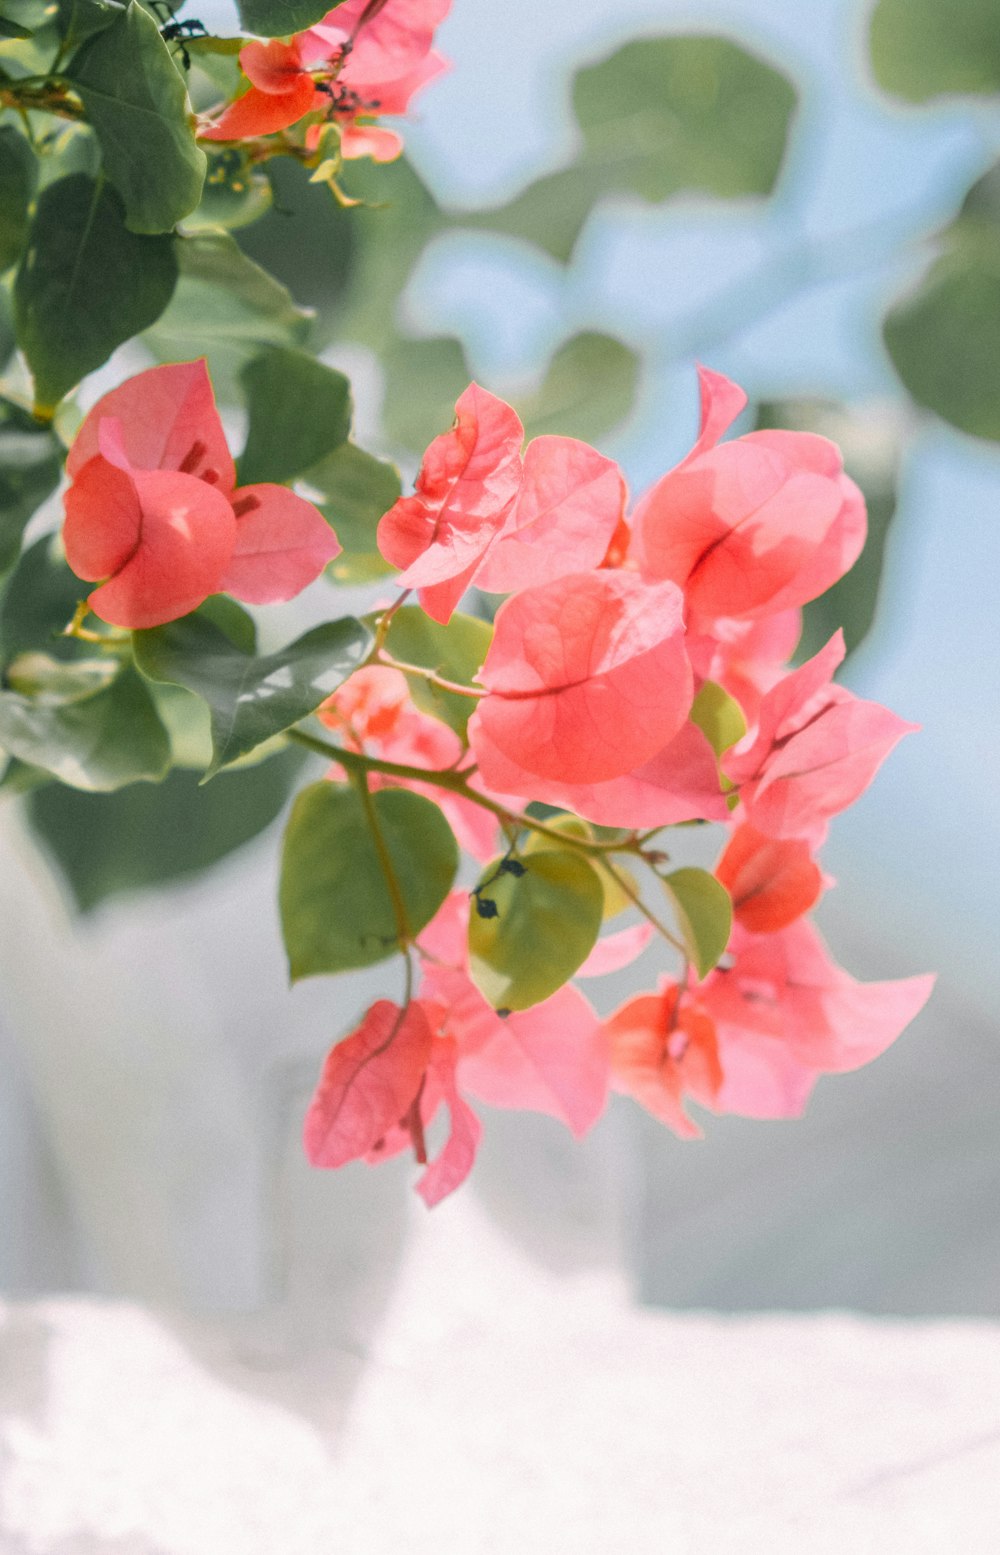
(635, 898)
(456, 782)
(431, 676)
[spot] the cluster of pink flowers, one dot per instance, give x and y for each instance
(612, 628)
(365, 59)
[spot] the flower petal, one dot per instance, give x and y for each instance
(168, 421)
(587, 676)
(282, 545)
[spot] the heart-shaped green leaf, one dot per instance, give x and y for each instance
(533, 922)
(705, 915)
(336, 908)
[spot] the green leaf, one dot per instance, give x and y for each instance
(149, 835)
(616, 899)
(358, 489)
(389, 233)
(78, 20)
(423, 379)
(660, 116)
(138, 105)
(225, 308)
(718, 716)
(336, 910)
(251, 699)
(18, 178)
(455, 651)
(529, 931)
(278, 18)
(38, 600)
(870, 438)
(925, 48)
(705, 915)
(12, 29)
(85, 284)
(944, 337)
(99, 740)
(30, 467)
(306, 241)
(300, 411)
(7, 339)
(588, 389)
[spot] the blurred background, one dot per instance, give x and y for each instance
(595, 198)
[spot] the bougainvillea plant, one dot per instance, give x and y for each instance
(552, 680)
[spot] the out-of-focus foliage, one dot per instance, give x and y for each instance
(944, 337)
(659, 116)
(927, 48)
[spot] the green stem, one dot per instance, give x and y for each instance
(455, 783)
(431, 676)
(635, 898)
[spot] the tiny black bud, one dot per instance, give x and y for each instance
(503, 1013)
(486, 908)
(512, 866)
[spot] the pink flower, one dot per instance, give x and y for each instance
(587, 678)
(551, 1058)
(663, 1048)
(785, 1013)
(751, 527)
(816, 750)
(153, 509)
(466, 485)
(771, 882)
(360, 61)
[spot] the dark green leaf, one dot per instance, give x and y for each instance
(530, 931)
(135, 99)
(149, 835)
(588, 389)
(306, 240)
(30, 467)
(423, 379)
(225, 308)
(659, 116)
(358, 489)
(251, 699)
(336, 909)
(78, 20)
(300, 411)
(929, 48)
(278, 18)
(98, 741)
(455, 651)
(12, 29)
(7, 339)
(39, 599)
(705, 915)
(85, 284)
(944, 338)
(18, 177)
